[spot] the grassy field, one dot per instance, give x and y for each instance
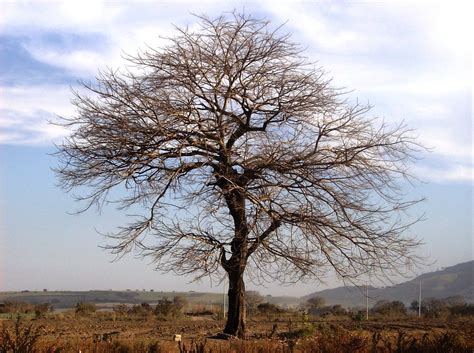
(283, 332)
(68, 299)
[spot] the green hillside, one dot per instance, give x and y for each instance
(457, 280)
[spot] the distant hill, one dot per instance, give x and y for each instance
(457, 280)
(68, 299)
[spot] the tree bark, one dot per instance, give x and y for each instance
(235, 265)
(236, 312)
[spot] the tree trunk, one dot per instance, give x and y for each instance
(236, 313)
(235, 265)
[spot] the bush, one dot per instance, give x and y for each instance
(13, 307)
(389, 308)
(85, 308)
(42, 309)
(268, 308)
(462, 310)
(166, 308)
(121, 309)
(359, 316)
(314, 303)
(337, 310)
(20, 338)
(179, 304)
(337, 340)
(252, 299)
(435, 308)
(144, 309)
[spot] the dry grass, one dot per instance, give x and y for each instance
(67, 333)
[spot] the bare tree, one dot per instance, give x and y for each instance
(242, 156)
(252, 299)
(315, 303)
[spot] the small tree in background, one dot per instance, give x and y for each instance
(144, 309)
(243, 158)
(252, 300)
(389, 308)
(85, 308)
(166, 308)
(268, 308)
(179, 304)
(121, 309)
(41, 310)
(315, 303)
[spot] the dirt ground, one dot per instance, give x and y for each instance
(83, 332)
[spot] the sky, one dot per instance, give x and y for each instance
(411, 61)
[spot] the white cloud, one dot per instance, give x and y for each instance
(118, 34)
(77, 62)
(451, 28)
(33, 128)
(412, 61)
(54, 99)
(11, 137)
(444, 143)
(446, 174)
(25, 113)
(84, 16)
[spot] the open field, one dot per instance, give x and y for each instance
(287, 332)
(68, 299)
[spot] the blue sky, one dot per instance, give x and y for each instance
(411, 61)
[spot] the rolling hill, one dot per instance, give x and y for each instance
(457, 280)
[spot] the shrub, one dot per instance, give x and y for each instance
(314, 303)
(435, 307)
(20, 338)
(121, 309)
(252, 299)
(85, 308)
(359, 316)
(389, 308)
(143, 309)
(268, 308)
(462, 310)
(14, 307)
(166, 308)
(337, 310)
(179, 304)
(42, 309)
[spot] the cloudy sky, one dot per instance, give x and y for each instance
(412, 61)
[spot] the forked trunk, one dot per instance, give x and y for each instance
(235, 325)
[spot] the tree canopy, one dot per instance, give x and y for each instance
(242, 156)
